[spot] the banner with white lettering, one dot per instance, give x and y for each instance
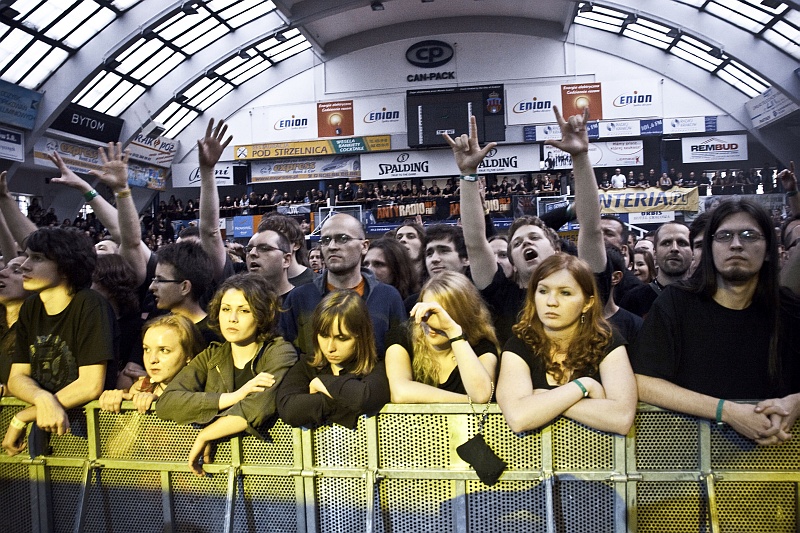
(12, 144)
(617, 153)
(287, 122)
(649, 200)
(18, 105)
(653, 217)
(769, 106)
(631, 99)
(318, 168)
(376, 116)
(531, 104)
(714, 148)
(188, 174)
(159, 151)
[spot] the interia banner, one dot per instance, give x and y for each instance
(649, 200)
(317, 168)
(350, 145)
(714, 148)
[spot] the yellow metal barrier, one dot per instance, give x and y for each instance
(399, 472)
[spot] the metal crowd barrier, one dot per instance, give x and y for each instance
(399, 472)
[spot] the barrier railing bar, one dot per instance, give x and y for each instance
(167, 503)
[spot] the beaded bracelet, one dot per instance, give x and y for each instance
(124, 193)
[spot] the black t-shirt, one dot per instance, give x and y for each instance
(537, 366)
(696, 343)
(307, 276)
(55, 346)
(8, 343)
(640, 299)
(401, 336)
(627, 324)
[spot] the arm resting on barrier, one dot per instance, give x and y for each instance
(611, 408)
(403, 387)
(220, 428)
(741, 417)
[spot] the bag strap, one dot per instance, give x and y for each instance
(485, 414)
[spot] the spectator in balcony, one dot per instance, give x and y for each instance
(449, 189)
(564, 358)
(644, 267)
(618, 180)
(169, 342)
(373, 192)
(390, 263)
(276, 197)
(190, 211)
(447, 351)
(298, 197)
(665, 182)
(735, 320)
(360, 194)
(231, 387)
(343, 378)
(641, 182)
(434, 189)
(65, 334)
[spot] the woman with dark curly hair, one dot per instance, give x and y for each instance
(344, 379)
(564, 358)
(389, 261)
(230, 387)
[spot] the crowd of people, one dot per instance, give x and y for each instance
(689, 318)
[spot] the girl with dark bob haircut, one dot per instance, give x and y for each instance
(564, 358)
(344, 379)
(230, 387)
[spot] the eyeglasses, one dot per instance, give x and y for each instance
(262, 248)
(162, 280)
(745, 235)
(340, 239)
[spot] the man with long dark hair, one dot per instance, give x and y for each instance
(730, 331)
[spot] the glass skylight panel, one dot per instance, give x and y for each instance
(247, 11)
(155, 62)
(211, 97)
(197, 87)
(19, 69)
(655, 26)
(747, 75)
(201, 36)
(735, 82)
(653, 39)
(39, 18)
(113, 96)
(137, 54)
(11, 44)
(49, 64)
(301, 46)
(133, 94)
(694, 56)
(102, 83)
(167, 112)
(695, 3)
(736, 18)
(177, 123)
(248, 73)
(72, 19)
(163, 69)
(90, 28)
(122, 5)
(177, 25)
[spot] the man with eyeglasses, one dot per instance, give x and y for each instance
(344, 245)
(182, 277)
(673, 257)
(729, 332)
(269, 254)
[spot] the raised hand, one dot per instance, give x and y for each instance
(115, 166)
(466, 149)
(4, 183)
(435, 317)
(212, 145)
(68, 177)
(574, 137)
(787, 178)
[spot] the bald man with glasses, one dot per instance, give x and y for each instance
(344, 244)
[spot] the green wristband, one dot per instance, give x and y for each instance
(90, 195)
(583, 389)
(719, 412)
(470, 177)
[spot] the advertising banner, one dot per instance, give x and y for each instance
(405, 165)
(85, 122)
(12, 144)
(632, 98)
(82, 159)
(617, 153)
(685, 125)
(649, 200)
(242, 226)
(188, 175)
(350, 145)
(768, 107)
(715, 148)
(335, 119)
(18, 105)
(378, 116)
(531, 104)
(575, 97)
(317, 168)
(619, 128)
(158, 152)
(289, 122)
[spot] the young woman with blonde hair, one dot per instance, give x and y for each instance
(447, 352)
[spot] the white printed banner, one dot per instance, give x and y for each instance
(631, 99)
(531, 104)
(379, 116)
(188, 175)
(714, 148)
(12, 144)
(159, 151)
